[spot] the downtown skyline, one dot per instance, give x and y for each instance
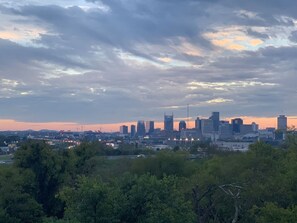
(11, 125)
(101, 64)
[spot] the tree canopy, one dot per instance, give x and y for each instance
(79, 185)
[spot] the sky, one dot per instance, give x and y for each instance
(97, 63)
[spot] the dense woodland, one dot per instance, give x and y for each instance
(80, 185)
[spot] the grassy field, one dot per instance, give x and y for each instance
(5, 157)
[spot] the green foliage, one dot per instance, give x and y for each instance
(149, 199)
(129, 149)
(133, 199)
(272, 213)
(16, 204)
(168, 163)
(291, 141)
(108, 170)
(92, 201)
(48, 171)
(80, 185)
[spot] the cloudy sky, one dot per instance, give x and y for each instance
(112, 61)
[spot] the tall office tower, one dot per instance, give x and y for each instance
(149, 127)
(168, 123)
(132, 131)
(236, 123)
(152, 127)
(282, 122)
(215, 117)
(140, 128)
(198, 123)
(182, 125)
(124, 129)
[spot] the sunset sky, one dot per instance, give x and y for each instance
(100, 63)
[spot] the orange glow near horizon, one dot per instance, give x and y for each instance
(13, 125)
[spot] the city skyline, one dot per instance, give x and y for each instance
(11, 125)
(103, 63)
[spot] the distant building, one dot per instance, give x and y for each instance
(132, 131)
(215, 117)
(225, 131)
(124, 129)
(182, 125)
(266, 134)
(233, 146)
(198, 123)
(149, 127)
(140, 128)
(245, 129)
(157, 131)
(168, 123)
(236, 123)
(255, 127)
(190, 134)
(270, 129)
(282, 123)
(206, 126)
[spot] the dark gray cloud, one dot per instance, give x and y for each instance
(115, 61)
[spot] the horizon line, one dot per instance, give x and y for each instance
(14, 125)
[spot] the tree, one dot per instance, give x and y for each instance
(272, 213)
(92, 201)
(168, 163)
(150, 200)
(233, 191)
(16, 204)
(48, 174)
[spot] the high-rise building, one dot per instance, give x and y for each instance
(132, 131)
(215, 117)
(198, 123)
(282, 122)
(236, 123)
(149, 127)
(168, 123)
(140, 128)
(124, 129)
(182, 125)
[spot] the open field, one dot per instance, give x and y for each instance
(5, 157)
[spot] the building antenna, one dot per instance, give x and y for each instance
(188, 111)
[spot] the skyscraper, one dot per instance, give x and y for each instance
(168, 123)
(140, 128)
(282, 122)
(198, 123)
(133, 131)
(124, 129)
(149, 127)
(182, 125)
(215, 117)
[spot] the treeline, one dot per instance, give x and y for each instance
(79, 185)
